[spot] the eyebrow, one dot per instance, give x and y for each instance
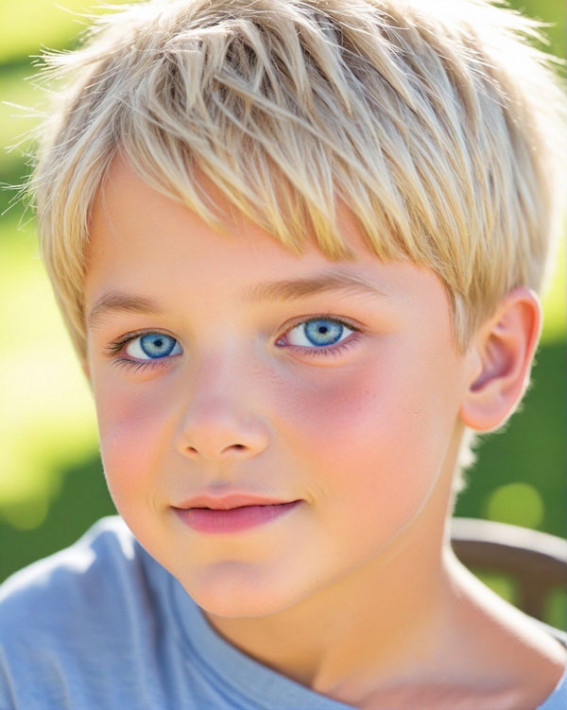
(292, 289)
(285, 290)
(117, 301)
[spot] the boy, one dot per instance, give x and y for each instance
(297, 246)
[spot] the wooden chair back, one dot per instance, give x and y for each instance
(535, 561)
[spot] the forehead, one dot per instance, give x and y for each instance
(142, 242)
(124, 196)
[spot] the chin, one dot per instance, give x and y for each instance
(240, 593)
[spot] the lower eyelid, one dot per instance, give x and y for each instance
(137, 365)
(134, 365)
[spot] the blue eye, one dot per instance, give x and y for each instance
(153, 346)
(318, 333)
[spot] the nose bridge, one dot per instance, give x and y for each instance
(221, 417)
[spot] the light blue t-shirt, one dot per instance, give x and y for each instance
(102, 626)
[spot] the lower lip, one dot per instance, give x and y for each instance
(234, 520)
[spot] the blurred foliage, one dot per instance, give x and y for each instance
(51, 483)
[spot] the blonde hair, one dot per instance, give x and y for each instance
(437, 123)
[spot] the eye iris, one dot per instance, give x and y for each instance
(157, 345)
(323, 332)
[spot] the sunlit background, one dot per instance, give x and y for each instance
(51, 483)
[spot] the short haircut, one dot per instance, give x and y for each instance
(437, 122)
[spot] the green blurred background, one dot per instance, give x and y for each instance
(51, 483)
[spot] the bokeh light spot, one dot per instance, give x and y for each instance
(27, 515)
(517, 504)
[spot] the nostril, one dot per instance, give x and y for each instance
(232, 447)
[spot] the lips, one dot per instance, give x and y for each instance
(232, 513)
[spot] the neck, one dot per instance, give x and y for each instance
(381, 622)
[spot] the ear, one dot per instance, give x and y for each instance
(503, 348)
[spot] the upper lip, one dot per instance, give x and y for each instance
(227, 502)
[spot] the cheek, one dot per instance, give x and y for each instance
(133, 430)
(381, 426)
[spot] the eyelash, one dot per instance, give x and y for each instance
(326, 350)
(117, 346)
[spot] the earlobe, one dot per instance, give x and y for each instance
(505, 347)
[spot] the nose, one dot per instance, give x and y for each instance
(220, 420)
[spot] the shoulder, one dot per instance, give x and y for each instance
(97, 576)
(520, 656)
(63, 616)
(67, 575)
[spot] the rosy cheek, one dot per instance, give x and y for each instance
(334, 402)
(328, 419)
(129, 434)
(367, 424)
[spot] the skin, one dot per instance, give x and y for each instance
(366, 435)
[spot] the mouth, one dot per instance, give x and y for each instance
(231, 514)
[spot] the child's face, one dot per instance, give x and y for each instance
(208, 383)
